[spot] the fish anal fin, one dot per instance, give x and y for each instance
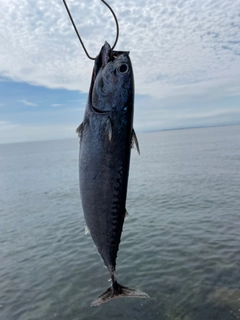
(87, 231)
(135, 141)
(127, 216)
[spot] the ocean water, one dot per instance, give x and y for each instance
(181, 244)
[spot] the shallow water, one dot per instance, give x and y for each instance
(181, 244)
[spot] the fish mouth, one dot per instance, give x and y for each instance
(100, 62)
(104, 57)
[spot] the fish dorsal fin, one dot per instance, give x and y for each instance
(79, 130)
(135, 141)
(87, 231)
(109, 128)
(127, 216)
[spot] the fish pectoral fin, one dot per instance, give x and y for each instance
(127, 216)
(87, 231)
(79, 130)
(109, 128)
(135, 141)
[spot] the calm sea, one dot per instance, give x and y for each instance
(181, 244)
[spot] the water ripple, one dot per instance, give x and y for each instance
(180, 245)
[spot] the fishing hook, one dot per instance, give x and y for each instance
(117, 26)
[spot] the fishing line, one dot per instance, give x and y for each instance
(117, 27)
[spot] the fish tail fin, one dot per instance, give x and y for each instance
(117, 291)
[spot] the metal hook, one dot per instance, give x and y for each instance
(117, 26)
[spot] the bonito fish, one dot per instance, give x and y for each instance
(106, 137)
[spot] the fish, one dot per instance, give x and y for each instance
(106, 138)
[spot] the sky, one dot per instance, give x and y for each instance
(185, 56)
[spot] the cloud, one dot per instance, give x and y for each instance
(28, 103)
(6, 125)
(56, 105)
(185, 56)
(172, 42)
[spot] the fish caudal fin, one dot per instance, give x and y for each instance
(117, 291)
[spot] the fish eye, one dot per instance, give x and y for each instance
(123, 68)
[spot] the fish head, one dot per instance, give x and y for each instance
(113, 82)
